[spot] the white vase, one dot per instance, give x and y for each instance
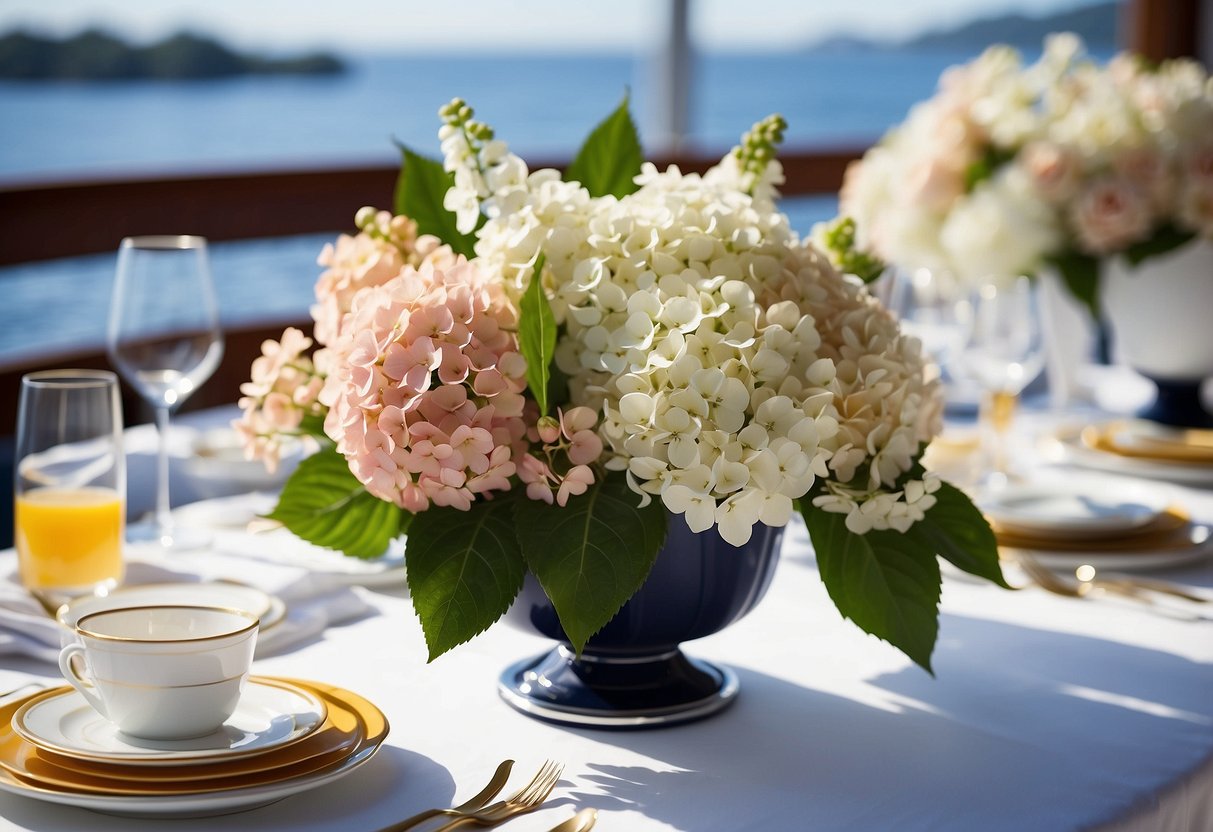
(1161, 315)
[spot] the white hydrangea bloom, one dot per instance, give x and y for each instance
(732, 365)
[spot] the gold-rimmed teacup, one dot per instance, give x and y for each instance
(162, 672)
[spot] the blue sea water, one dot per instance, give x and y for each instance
(543, 106)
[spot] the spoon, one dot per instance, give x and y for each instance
(583, 821)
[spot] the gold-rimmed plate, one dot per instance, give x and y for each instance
(1189, 543)
(352, 715)
(270, 714)
(1146, 440)
(1068, 445)
(1076, 507)
(337, 735)
(351, 725)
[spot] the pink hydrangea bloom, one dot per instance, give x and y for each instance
(283, 390)
(570, 442)
(425, 394)
(384, 246)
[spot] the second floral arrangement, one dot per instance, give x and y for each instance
(1011, 168)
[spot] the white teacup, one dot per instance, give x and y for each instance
(162, 672)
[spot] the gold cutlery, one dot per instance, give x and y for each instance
(1088, 574)
(583, 821)
(1050, 581)
(478, 801)
(527, 799)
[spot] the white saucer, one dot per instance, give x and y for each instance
(1076, 507)
(269, 715)
(269, 609)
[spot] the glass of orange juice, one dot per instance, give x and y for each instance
(70, 483)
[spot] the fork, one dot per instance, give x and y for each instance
(500, 776)
(527, 799)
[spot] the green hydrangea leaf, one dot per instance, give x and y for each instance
(325, 504)
(956, 530)
(985, 167)
(420, 189)
(886, 582)
(611, 157)
(537, 337)
(1165, 238)
(591, 555)
(464, 569)
(1080, 273)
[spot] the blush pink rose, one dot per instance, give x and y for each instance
(1110, 214)
(934, 183)
(1052, 170)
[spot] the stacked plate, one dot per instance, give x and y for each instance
(1144, 449)
(286, 736)
(1106, 522)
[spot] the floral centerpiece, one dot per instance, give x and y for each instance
(1063, 162)
(516, 366)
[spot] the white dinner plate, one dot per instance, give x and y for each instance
(1076, 507)
(190, 805)
(269, 609)
(1201, 548)
(1074, 451)
(270, 714)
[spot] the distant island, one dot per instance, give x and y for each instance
(95, 55)
(1097, 25)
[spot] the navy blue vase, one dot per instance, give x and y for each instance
(632, 673)
(1178, 404)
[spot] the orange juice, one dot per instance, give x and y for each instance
(69, 537)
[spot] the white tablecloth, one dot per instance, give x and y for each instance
(1047, 713)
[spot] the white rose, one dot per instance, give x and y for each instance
(1000, 230)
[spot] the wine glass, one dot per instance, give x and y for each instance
(1003, 352)
(932, 306)
(70, 484)
(164, 338)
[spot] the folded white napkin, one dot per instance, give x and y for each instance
(25, 628)
(314, 601)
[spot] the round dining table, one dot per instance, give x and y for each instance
(1044, 712)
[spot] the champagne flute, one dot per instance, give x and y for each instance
(1003, 352)
(164, 338)
(70, 484)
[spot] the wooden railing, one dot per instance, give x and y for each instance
(94, 216)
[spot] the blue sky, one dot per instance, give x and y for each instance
(500, 25)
